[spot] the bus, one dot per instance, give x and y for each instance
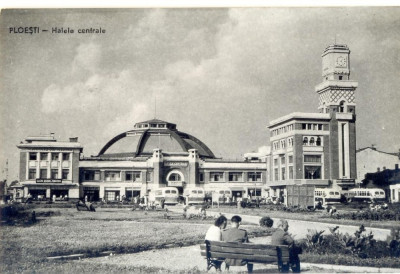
(365, 195)
(194, 195)
(327, 196)
(169, 194)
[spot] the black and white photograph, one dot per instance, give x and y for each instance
(259, 139)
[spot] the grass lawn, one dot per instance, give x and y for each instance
(67, 231)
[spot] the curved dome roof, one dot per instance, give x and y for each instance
(150, 135)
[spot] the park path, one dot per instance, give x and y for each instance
(299, 229)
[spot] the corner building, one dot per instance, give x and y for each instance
(49, 168)
(319, 148)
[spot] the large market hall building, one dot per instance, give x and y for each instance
(154, 154)
(317, 149)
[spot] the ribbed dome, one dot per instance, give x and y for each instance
(152, 134)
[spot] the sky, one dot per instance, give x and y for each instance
(220, 74)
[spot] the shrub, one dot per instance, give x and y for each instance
(266, 221)
(359, 245)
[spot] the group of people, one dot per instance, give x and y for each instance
(219, 232)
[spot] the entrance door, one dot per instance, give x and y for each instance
(130, 194)
(92, 194)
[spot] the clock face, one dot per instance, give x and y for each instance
(341, 61)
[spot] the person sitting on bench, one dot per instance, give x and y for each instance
(282, 237)
(215, 231)
(234, 234)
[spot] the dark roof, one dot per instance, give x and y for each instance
(140, 142)
(374, 148)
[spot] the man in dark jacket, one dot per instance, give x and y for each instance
(234, 234)
(282, 237)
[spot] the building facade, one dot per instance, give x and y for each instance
(319, 148)
(153, 155)
(49, 168)
(371, 160)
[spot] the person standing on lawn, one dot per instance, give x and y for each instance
(282, 237)
(234, 234)
(214, 232)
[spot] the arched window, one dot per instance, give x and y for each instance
(341, 107)
(312, 141)
(305, 141)
(175, 177)
(318, 141)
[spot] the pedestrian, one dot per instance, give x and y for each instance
(235, 234)
(162, 202)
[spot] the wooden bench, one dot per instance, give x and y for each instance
(217, 252)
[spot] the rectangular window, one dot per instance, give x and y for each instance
(54, 156)
(32, 156)
(111, 195)
(201, 177)
(290, 172)
(283, 173)
(54, 174)
(254, 192)
(132, 176)
(309, 126)
(312, 158)
(112, 176)
(216, 176)
(32, 173)
(275, 162)
(303, 126)
(65, 174)
(283, 160)
(43, 173)
(91, 175)
(254, 176)
(149, 176)
(276, 174)
(43, 156)
(319, 126)
(235, 176)
(290, 159)
(312, 172)
(65, 156)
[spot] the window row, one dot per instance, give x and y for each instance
(94, 175)
(281, 144)
(152, 125)
(310, 172)
(283, 173)
(312, 141)
(283, 160)
(32, 174)
(281, 130)
(44, 156)
(232, 177)
(305, 126)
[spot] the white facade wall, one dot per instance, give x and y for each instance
(369, 160)
(395, 193)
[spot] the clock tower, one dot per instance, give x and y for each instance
(336, 92)
(337, 98)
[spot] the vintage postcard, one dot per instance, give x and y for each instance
(132, 135)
